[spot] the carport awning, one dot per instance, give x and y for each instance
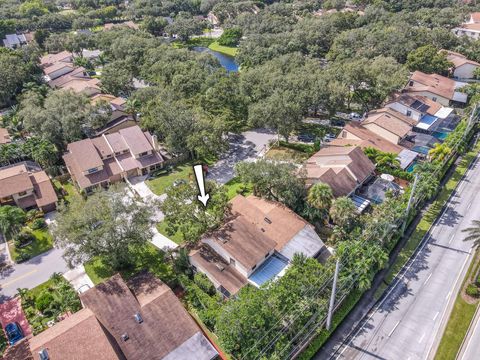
(406, 157)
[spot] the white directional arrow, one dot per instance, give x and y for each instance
(201, 185)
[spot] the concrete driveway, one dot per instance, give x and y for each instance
(140, 188)
(11, 311)
(247, 146)
(79, 279)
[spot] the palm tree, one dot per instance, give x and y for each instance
(12, 219)
(343, 212)
(439, 152)
(387, 159)
(132, 107)
(473, 233)
(371, 153)
(320, 197)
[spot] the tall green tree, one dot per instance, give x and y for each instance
(274, 181)
(320, 196)
(343, 212)
(108, 224)
(12, 219)
(184, 213)
(429, 60)
(473, 233)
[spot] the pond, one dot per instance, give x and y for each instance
(228, 62)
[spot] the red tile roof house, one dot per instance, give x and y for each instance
(113, 157)
(27, 186)
(343, 168)
(436, 87)
(255, 245)
(141, 320)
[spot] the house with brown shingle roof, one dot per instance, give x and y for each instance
(389, 124)
(344, 169)
(436, 87)
(463, 68)
(470, 28)
(414, 106)
(50, 59)
(110, 158)
(256, 244)
(27, 187)
(355, 134)
(138, 320)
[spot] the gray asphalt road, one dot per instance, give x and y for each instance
(244, 147)
(30, 273)
(471, 348)
(407, 324)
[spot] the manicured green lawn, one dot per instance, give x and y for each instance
(43, 242)
(68, 187)
(148, 258)
(429, 217)
(161, 183)
(235, 187)
(177, 237)
(230, 51)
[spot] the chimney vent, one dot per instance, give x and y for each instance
(43, 354)
(138, 318)
(267, 220)
(125, 337)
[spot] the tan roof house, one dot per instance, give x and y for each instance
(389, 124)
(50, 59)
(436, 87)
(463, 68)
(109, 158)
(470, 28)
(27, 187)
(88, 87)
(355, 134)
(255, 245)
(125, 24)
(343, 168)
(141, 320)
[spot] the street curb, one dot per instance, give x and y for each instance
(461, 350)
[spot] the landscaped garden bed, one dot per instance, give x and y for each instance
(49, 302)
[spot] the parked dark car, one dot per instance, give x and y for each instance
(14, 333)
(306, 138)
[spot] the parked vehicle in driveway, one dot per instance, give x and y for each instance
(308, 138)
(14, 333)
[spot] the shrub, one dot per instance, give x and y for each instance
(472, 290)
(204, 283)
(477, 281)
(38, 224)
(44, 301)
(23, 239)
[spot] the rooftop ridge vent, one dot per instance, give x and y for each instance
(267, 220)
(125, 337)
(43, 354)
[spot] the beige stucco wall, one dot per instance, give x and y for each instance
(465, 71)
(383, 133)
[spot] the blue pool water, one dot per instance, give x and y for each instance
(421, 149)
(228, 62)
(411, 167)
(440, 135)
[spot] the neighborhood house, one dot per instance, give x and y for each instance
(27, 186)
(462, 67)
(144, 320)
(113, 157)
(255, 245)
(344, 169)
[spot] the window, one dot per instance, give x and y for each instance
(409, 113)
(22, 193)
(434, 98)
(143, 154)
(344, 134)
(232, 262)
(254, 266)
(93, 170)
(267, 255)
(411, 83)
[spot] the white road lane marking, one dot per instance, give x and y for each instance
(448, 295)
(391, 332)
(451, 239)
(428, 278)
(421, 339)
(438, 312)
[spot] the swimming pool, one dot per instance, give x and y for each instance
(421, 149)
(440, 135)
(411, 167)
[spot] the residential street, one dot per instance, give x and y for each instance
(407, 324)
(31, 273)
